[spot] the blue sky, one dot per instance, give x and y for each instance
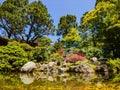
(58, 8)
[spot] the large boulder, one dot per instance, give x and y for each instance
(28, 67)
(82, 68)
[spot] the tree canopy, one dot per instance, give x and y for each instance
(103, 23)
(71, 38)
(24, 20)
(66, 23)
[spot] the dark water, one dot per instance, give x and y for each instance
(63, 81)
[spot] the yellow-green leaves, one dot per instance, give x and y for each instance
(104, 12)
(72, 37)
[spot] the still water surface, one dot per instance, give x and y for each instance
(63, 81)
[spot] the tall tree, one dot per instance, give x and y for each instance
(101, 21)
(24, 20)
(10, 16)
(66, 23)
(39, 21)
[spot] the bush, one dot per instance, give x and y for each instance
(56, 56)
(74, 58)
(116, 78)
(43, 53)
(114, 64)
(26, 47)
(40, 54)
(94, 52)
(58, 45)
(61, 52)
(12, 57)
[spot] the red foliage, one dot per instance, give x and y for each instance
(78, 53)
(60, 51)
(75, 58)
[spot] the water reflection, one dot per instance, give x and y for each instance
(28, 78)
(52, 81)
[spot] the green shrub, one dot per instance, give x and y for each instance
(26, 47)
(113, 63)
(94, 52)
(116, 78)
(12, 57)
(43, 53)
(58, 45)
(13, 43)
(56, 56)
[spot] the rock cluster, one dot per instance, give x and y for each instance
(82, 68)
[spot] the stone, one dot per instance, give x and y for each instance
(94, 59)
(51, 64)
(72, 68)
(44, 67)
(28, 67)
(102, 68)
(103, 60)
(82, 68)
(64, 63)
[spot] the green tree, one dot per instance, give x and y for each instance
(112, 1)
(25, 21)
(58, 45)
(111, 32)
(102, 22)
(98, 19)
(10, 16)
(66, 23)
(39, 21)
(43, 41)
(72, 38)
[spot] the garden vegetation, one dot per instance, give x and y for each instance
(24, 26)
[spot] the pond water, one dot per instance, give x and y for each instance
(63, 81)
